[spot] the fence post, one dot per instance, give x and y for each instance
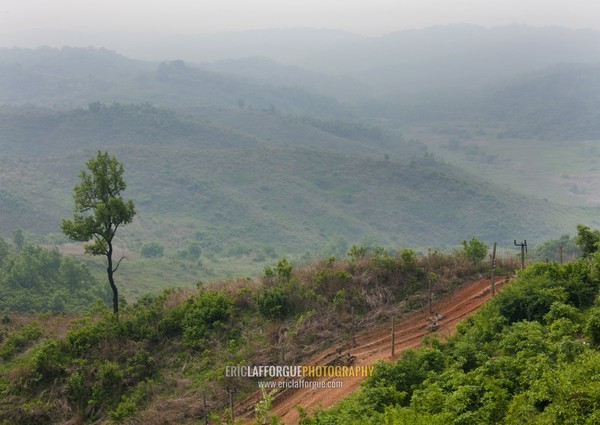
(205, 409)
(561, 254)
(353, 328)
(393, 338)
(493, 289)
(231, 391)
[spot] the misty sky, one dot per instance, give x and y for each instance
(367, 17)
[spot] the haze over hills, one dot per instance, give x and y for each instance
(294, 190)
(297, 153)
(405, 62)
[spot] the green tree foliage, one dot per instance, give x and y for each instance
(587, 239)
(474, 250)
(273, 303)
(530, 355)
(550, 250)
(100, 211)
(3, 251)
(203, 315)
(35, 279)
(152, 249)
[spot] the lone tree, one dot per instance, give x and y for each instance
(99, 211)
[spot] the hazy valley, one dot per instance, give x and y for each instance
(284, 182)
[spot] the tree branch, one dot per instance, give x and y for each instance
(119, 262)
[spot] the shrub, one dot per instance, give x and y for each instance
(49, 361)
(474, 250)
(19, 341)
(208, 312)
(108, 385)
(273, 303)
(529, 299)
(152, 249)
(131, 402)
(592, 326)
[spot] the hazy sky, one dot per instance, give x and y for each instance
(367, 17)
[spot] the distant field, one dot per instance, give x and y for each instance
(562, 172)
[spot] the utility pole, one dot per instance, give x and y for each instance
(523, 246)
(493, 288)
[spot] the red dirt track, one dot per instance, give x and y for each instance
(375, 345)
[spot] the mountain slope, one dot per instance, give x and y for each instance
(75, 77)
(560, 102)
(299, 191)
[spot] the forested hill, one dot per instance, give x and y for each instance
(70, 77)
(233, 191)
(560, 102)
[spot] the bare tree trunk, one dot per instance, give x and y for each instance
(111, 280)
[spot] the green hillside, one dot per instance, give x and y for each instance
(242, 191)
(558, 103)
(528, 356)
(246, 171)
(155, 361)
(230, 172)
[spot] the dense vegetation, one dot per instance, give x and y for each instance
(38, 280)
(164, 351)
(531, 355)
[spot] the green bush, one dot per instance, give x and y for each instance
(86, 335)
(273, 303)
(530, 299)
(152, 250)
(108, 385)
(50, 361)
(203, 315)
(131, 401)
(474, 250)
(18, 341)
(592, 326)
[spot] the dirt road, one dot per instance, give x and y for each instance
(375, 345)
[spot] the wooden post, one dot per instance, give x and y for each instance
(493, 288)
(205, 409)
(231, 391)
(393, 338)
(561, 254)
(353, 328)
(429, 290)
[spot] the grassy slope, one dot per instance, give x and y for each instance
(243, 196)
(563, 172)
(165, 352)
(267, 195)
